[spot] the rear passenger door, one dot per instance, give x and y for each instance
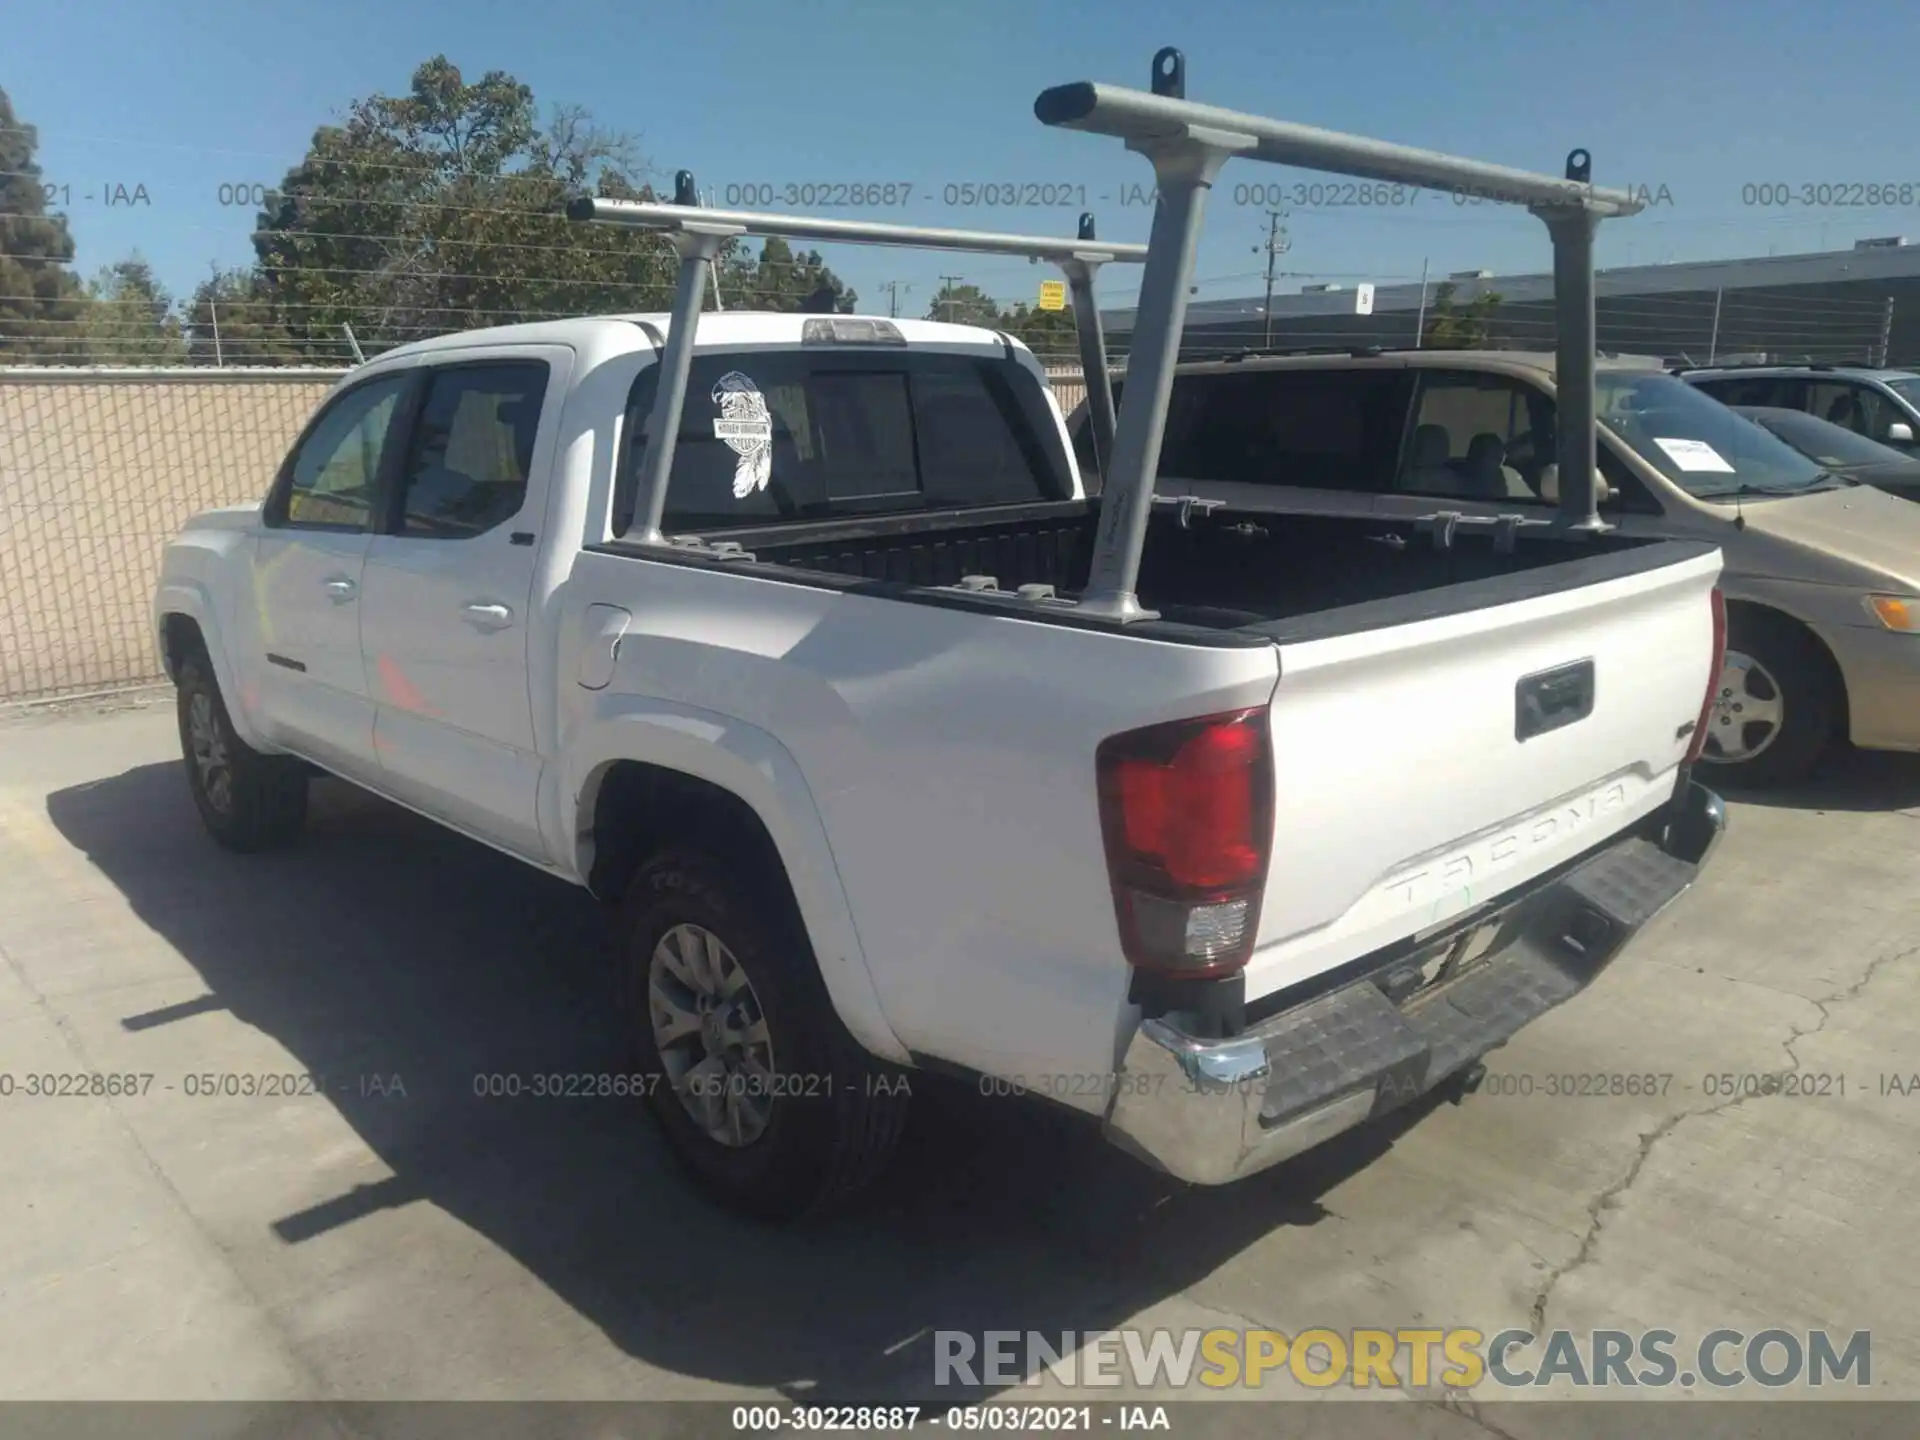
(447, 593)
(1322, 441)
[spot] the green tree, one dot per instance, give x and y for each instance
(1050, 334)
(233, 319)
(1453, 326)
(442, 210)
(129, 319)
(40, 298)
(780, 280)
(964, 305)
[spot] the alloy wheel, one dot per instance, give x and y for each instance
(210, 758)
(711, 1033)
(1747, 714)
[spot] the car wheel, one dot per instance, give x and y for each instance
(248, 801)
(1777, 706)
(762, 1095)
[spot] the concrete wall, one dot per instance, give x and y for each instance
(97, 470)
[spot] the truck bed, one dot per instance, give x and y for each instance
(1295, 578)
(1418, 785)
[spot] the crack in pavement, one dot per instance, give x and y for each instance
(1596, 1209)
(1852, 992)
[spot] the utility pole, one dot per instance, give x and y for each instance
(1277, 245)
(1420, 320)
(947, 282)
(893, 289)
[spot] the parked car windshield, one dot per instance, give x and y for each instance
(1701, 445)
(1820, 440)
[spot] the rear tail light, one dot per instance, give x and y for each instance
(1714, 668)
(1186, 809)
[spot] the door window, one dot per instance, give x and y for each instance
(472, 449)
(1478, 437)
(335, 471)
(1856, 407)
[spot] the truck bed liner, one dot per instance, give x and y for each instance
(1239, 575)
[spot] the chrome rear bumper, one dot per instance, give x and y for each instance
(1210, 1111)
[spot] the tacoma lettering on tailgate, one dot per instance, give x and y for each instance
(1480, 860)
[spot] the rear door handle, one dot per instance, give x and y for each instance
(339, 588)
(489, 615)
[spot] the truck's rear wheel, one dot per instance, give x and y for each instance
(1776, 708)
(766, 1101)
(248, 801)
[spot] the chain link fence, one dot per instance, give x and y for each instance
(98, 470)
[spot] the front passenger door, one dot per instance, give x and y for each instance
(303, 670)
(444, 625)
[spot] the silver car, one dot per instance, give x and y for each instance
(1822, 575)
(1883, 405)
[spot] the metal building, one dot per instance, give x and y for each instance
(1860, 305)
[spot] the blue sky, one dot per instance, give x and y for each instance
(1697, 98)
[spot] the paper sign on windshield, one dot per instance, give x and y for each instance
(1694, 455)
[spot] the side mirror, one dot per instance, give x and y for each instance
(1900, 433)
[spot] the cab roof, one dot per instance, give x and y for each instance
(717, 328)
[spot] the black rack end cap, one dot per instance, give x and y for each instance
(1064, 104)
(1170, 73)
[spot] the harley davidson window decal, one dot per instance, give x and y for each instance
(746, 426)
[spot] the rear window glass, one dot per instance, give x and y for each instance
(791, 435)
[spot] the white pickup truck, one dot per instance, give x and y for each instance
(832, 692)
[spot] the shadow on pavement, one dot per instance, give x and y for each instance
(1851, 780)
(383, 946)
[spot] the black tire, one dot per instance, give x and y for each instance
(1809, 695)
(263, 803)
(836, 1112)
